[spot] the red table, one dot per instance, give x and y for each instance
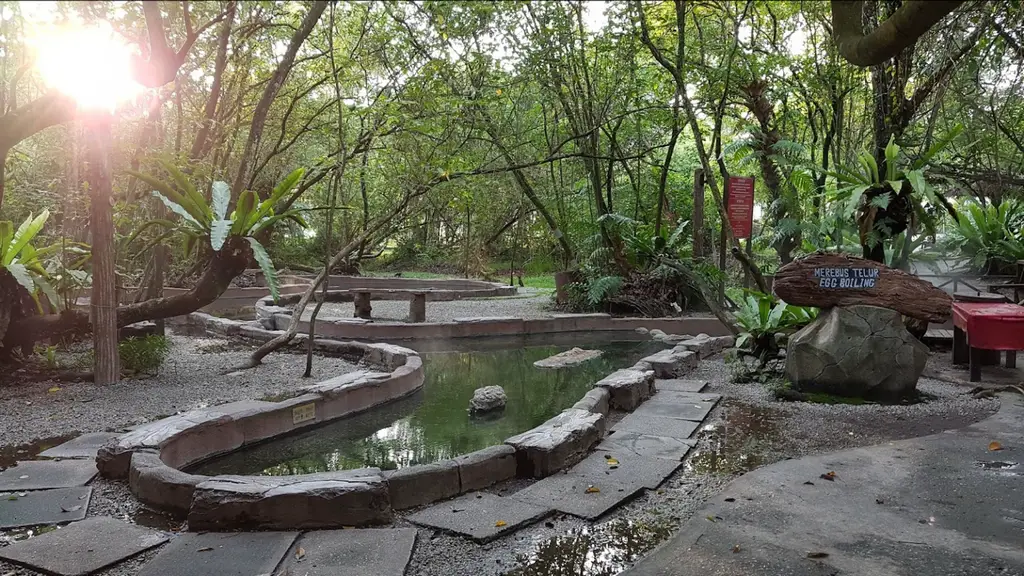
(979, 326)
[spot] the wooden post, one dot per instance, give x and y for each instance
(418, 308)
(697, 221)
(103, 302)
(722, 240)
(363, 308)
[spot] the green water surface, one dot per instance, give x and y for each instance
(434, 424)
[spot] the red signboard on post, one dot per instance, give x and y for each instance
(739, 204)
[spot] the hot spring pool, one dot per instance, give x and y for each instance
(434, 424)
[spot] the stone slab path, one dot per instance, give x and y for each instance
(482, 516)
(43, 507)
(638, 454)
(83, 447)
(83, 547)
(45, 474)
(381, 552)
(221, 554)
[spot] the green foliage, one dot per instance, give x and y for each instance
(20, 259)
(601, 288)
(211, 222)
(143, 355)
(989, 237)
(762, 317)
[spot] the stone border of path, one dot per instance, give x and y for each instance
(154, 455)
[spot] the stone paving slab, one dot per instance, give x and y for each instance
(46, 474)
(43, 507)
(221, 554)
(381, 552)
(478, 514)
(656, 426)
(85, 446)
(647, 445)
(679, 405)
(568, 493)
(680, 385)
(625, 467)
(83, 547)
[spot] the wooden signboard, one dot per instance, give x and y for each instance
(740, 205)
(827, 280)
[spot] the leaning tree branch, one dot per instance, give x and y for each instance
(899, 31)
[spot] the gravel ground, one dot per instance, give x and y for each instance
(191, 377)
(530, 303)
(748, 429)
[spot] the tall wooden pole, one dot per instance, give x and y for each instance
(103, 303)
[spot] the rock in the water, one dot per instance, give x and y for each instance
(568, 358)
(862, 351)
(488, 399)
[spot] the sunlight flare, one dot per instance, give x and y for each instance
(90, 64)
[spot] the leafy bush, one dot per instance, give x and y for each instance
(143, 355)
(988, 236)
(762, 316)
(20, 259)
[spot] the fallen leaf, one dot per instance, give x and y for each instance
(830, 476)
(994, 446)
(710, 518)
(54, 389)
(809, 483)
(612, 462)
(12, 497)
(592, 490)
(23, 477)
(730, 499)
(735, 548)
(500, 523)
(817, 555)
(300, 554)
(207, 549)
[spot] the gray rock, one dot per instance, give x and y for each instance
(571, 357)
(628, 388)
(656, 426)
(557, 443)
(488, 399)
(594, 401)
(483, 468)
(160, 486)
(676, 385)
(671, 363)
(418, 485)
(862, 351)
(83, 547)
(325, 500)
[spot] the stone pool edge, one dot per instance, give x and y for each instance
(152, 460)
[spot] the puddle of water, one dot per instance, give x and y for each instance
(9, 455)
(739, 443)
(19, 534)
(998, 465)
(601, 550)
(434, 424)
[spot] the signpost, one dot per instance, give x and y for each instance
(740, 205)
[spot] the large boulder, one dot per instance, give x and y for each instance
(487, 399)
(862, 351)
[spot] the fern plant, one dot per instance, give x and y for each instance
(20, 259)
(985, 235)
(212, 222)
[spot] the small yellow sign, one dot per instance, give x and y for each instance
(303, 413)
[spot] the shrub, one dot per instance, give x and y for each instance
(143, 355)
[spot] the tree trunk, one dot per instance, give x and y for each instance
(199, 145)
(103, 303)
(259, 115)
(899, 30)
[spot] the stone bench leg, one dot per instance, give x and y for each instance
(362, 305)
(1011, 358)
(418, 308)
(959, 346)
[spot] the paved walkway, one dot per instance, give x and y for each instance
(946, 504)
(632, 457)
